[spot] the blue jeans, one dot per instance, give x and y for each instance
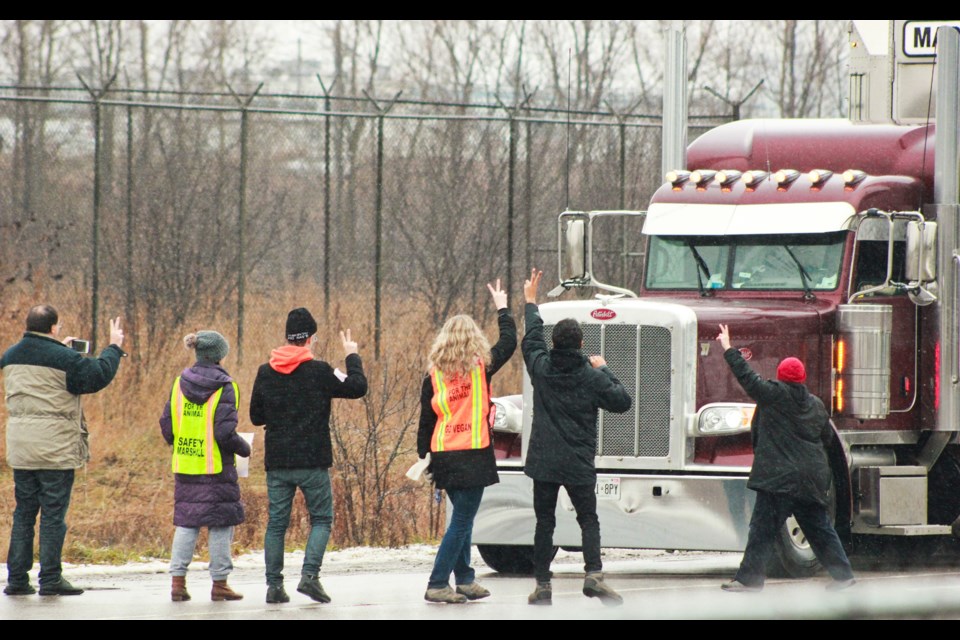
(453, 556)
(584, 499)
(769, 513)
(46, 492)
(282, 485)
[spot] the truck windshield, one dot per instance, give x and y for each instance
(789, 262)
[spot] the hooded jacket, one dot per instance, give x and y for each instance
(291, 398)
(468, 468)
(209, 500)
(568, 393)
(790, 431)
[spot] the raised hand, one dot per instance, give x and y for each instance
(597, 361)
(349, 346)
(724, 337)
(499, 295)
(530, 286)
(116, 333)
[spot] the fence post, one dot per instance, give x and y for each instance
(242, 212)
(326, 195)
(511, 173)
(621, 119)
(735, 104)
(378, 213)
(95, 225)
(130, 307)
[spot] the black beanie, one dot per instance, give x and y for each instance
(300, 325)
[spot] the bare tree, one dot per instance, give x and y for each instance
(371, 450)
(582, 59)
(356, 51)
(32, 50)
(808, 55)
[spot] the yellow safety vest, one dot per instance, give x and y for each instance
(462, 405)
(195, 450)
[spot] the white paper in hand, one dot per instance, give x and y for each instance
(416, 472)
(243, 464)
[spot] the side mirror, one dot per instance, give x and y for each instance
(575, 243)
(921, 263)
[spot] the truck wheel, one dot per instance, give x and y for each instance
(509, 558)
(793, 557)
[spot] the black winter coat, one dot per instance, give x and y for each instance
(295, 408)
(790, 432)
(567, 394)
(470, 468)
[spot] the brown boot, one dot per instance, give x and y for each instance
(178, 593)
(221, 591)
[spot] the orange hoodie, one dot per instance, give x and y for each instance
(287, 358)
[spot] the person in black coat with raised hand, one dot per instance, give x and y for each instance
(292, 397)
(569, 389)
(790, 473)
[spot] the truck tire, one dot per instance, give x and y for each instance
(509, 558)
(793, 556)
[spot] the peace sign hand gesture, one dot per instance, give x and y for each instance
(724, 337)
(349, 346)
(530, 286)
(499, 295)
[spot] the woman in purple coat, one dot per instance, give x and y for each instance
(200, 421)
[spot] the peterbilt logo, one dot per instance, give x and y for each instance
(603, 314)
(746, 353)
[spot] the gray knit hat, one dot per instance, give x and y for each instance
(210, 346)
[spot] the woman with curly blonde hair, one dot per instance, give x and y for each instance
(455, 429)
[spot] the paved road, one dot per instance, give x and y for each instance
(659, 585)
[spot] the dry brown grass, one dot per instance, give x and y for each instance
(122, 504)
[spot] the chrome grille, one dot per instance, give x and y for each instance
(644, 430)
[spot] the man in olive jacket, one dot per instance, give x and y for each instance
(47, 435)
(568, 391)
(790, 473)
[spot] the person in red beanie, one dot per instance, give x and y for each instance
(790, 473)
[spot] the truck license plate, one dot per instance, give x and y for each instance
(608, 488)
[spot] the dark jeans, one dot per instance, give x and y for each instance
(453, 556)
(769, 513)
(282, 486)
(584, 499)
(46, 492)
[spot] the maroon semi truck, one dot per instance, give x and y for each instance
(835, 241)
(808, 238)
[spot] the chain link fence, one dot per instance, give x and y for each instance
(151, 205)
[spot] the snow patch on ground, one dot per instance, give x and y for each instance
(351, 560)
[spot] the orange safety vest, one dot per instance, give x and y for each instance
(462, 405)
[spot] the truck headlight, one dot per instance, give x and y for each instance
(509, 416)
(724, 419)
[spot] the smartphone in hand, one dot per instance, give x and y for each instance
(80, 346)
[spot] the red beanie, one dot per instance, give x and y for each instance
(791, 370)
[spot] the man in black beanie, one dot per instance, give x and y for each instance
(569, 389)
(291, 397)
